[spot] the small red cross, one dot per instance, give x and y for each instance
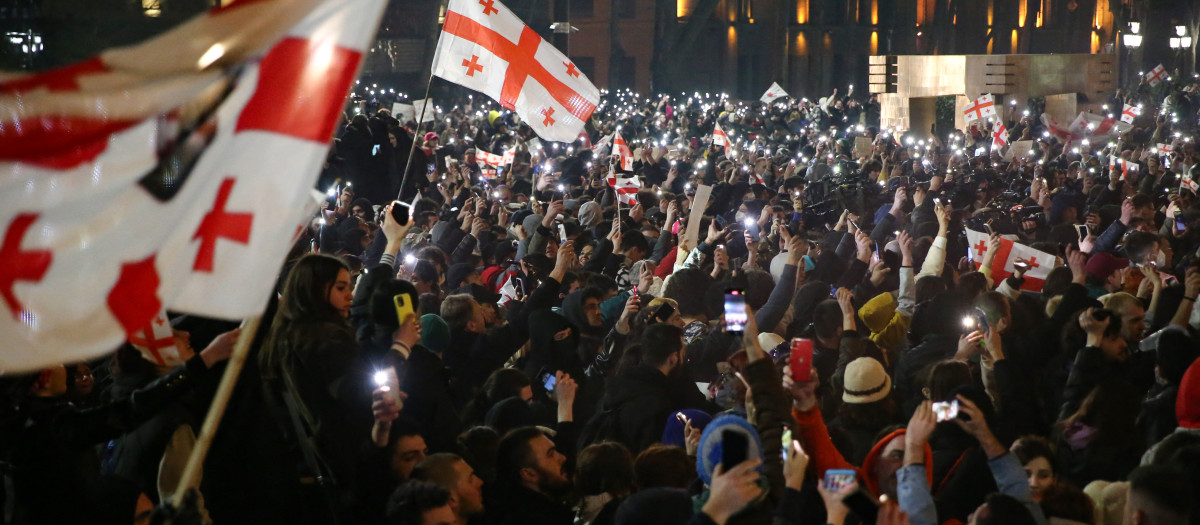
(981, 247)
(487, 7)
(571, 69)
(472, 65)
(548, 121)
(146, 340)
(1033, 262)
(20, 265)
(977, 108)
(1157, 75)
(220, 224)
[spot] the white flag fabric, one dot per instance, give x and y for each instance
(773, 93)
(1126, 167)
(621, 149)
(999, 136)
(485, 47)
(626, 187)
(1128, 113)
(154, 184)
(424, 109)
(982, 107)
(1094, 128)
(1040, 263)
(1156, 75)
(719, 137)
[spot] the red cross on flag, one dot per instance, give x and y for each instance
(156, 342)
(999, 136)
(510, 156)
(621, 150)
(1187, 182)
(133, 189)
(1040, 263)
(981, 107)
(626, 187)
(485, 47)
(1156, 75)
(719, 138)
(1128, 113)
(1126, 166)
(774, 92)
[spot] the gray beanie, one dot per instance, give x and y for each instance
(590, 214)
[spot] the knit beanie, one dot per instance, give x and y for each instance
(435, 333)
(674, 435)
(1101, 265)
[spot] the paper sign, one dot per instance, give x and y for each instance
(699, 204)
(430, 112)
(403, 112)
(1021, 150)
(862, 147)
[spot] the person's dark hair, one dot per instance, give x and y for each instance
(478, 446)
(1057, 281)
(659, 342)
(759, 285)
(425, 271)
(409, 503)
(1111, 408)
(687, 287)
(1161, 493)
(945, 377)
(827, 318)
(1174, 354)
(500, 385)
(435, 255)
(1065, 501)
(1138, 245)
(635, 239)
(602, 282)
(971, 284)
(994, 305)
(1030, 447)
(404, 427)
(602, 467)
(1004, 510)
(515, 453)
(304, 307)
(928, 287)
(664, 466)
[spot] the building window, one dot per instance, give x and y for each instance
(581, 8)
(626, 8)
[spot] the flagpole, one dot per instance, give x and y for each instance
(191, 471)
(416, 137)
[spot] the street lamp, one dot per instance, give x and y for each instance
(1132, 39)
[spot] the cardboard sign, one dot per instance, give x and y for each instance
(862, 147)
(1020, 150)
(699, 204)
(430, 111)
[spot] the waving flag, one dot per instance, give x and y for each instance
(1187, 182)
(1093, 128)
(1040, 263)
(1128, 113)
(171, 174)
(719, 138)
(1115, 162)
(626, 187)
(999, 136)
(981, 107)
(485, 47)
(621, 149)
(773, 93)
(1156, 75)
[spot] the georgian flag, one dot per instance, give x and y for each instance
(1156, 75)
(484, 158)
(999, 136)
(982, 107)
(485, 47)
(603, 145)
(1190, 184)
(1126, 166)
(626, 187)
(181, 186)
(773, 93)
(621, 150)
(719, 138)
(1128, 113)
(509, 157)
(1040, 263)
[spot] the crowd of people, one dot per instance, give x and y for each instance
(522, 344)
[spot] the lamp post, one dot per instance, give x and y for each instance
(1132, 41)
(1179, 43)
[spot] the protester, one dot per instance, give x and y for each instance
(586, 335)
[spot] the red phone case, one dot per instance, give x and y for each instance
(801, 360)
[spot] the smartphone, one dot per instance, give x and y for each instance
(787, 441)
(1023, 266)
(404, 306)
(1180, 223)
(400, 212)
(1082, 230)
(735, 447)
(735, 311)
(548, 380)
(836, 479)
(562, 234)
(375, 150)
(390, 383)
(664, 312)
(945, 410)
(801, 360)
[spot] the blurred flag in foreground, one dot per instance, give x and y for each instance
(172, 174)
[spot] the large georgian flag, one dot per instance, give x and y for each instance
(170, 174)
(773, 93)
(982, 107)
(1040, 263)
(485, 47)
